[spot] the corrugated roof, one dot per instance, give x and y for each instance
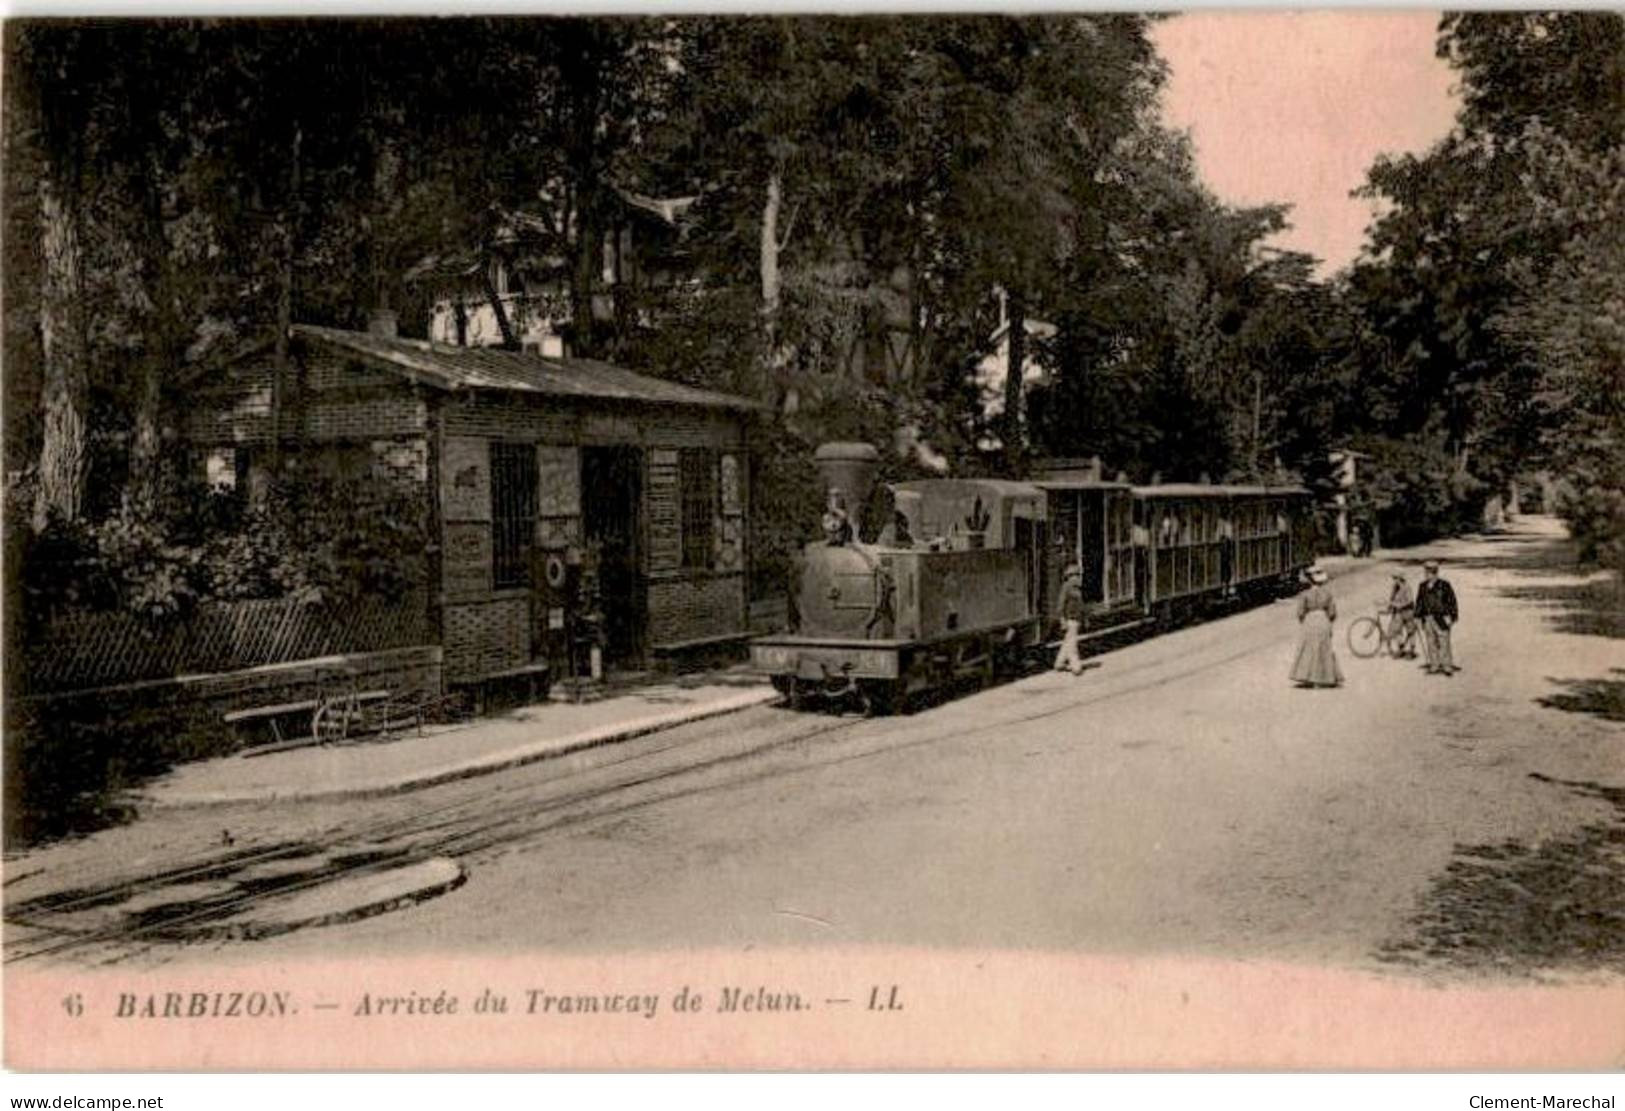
(448, 367)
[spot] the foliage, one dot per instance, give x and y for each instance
(1572, 320)
(1488, 300)
(318, 542)
(1412, 487)
(863, 191)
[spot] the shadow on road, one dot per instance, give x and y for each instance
(1603, 697)
(1520, 909)
(1587, 608)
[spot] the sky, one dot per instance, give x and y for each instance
(1295, 107)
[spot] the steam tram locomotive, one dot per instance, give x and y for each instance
(964, 579)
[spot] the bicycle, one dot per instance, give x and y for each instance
(1372, 634)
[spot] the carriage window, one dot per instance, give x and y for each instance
(697, 471)
(513, 513)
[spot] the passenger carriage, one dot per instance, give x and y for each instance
(1206, 543)
(965, 575)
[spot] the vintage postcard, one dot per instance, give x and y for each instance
(1073, 540)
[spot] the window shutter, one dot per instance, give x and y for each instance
(665, 511)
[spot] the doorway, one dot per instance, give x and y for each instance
(612, 524)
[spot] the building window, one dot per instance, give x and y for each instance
(513, 513)
(697, 469)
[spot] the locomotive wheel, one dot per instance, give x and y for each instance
(880, 697)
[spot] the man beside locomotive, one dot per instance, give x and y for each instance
(1067, 659)
(1436, 610)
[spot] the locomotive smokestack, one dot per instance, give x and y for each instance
(849, 468)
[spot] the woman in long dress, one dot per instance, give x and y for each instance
(1316, 665)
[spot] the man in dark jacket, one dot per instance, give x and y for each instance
(1436, 610)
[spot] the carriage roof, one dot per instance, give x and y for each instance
(1202, 490)
(1062, 485)
(1000, 488)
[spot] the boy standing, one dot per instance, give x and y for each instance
(1067, 659)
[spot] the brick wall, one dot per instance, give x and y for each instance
(347, 417)
(337, 399)
(549, 420)
(330, 370)
(501, 418)
(486, 636)
(692, 608)
(233, 410)
(404, 462)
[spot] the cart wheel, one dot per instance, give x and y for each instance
(326, 725)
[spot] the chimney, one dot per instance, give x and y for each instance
(382, 322)
(849, 468)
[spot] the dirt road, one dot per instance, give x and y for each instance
(1181, 798)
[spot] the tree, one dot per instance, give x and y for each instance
(1480, 280)
(46, 102)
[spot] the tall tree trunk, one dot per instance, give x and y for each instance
(23, 269)
(771, 204)
(282, 370)
(1010, 426)
(64, 352)
(589, 258)
(588, 48)
(773, 355)
(1258, 422)
(145, 456)
(162, 347)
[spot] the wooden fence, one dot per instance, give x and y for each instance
(80, 650)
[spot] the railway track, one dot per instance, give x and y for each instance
(84, 925)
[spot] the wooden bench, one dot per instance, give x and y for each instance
(537, 678)
(271, 714)
(700, 644)
(275, 713)
(700, 652)
(345, 713)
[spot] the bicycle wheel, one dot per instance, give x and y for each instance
(1365, 637)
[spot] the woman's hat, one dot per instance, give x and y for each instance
(1317, 574)
(1399, 575)
(1430, 565)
